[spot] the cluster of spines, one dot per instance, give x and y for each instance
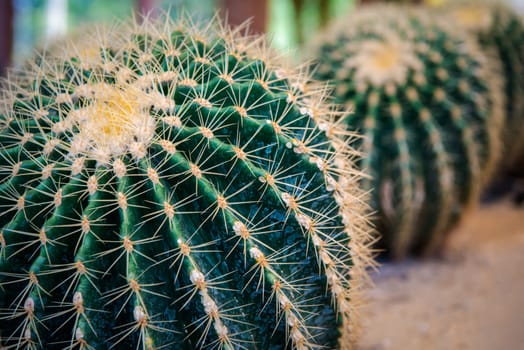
(239, 156)
(425, 100)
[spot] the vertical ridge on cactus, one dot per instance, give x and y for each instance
(172, 184)
(427, 105)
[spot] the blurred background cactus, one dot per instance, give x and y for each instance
(173, 185)
(427, 101)
(500, 29)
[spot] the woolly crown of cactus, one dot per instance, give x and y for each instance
(172, 184)
(427, 102)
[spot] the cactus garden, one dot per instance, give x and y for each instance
(261, 174)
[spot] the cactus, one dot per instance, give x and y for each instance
(423, 98)
(500, 30)
(172, 185)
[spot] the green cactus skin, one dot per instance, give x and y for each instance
(175, 188)
(500, 30)
(422, 98)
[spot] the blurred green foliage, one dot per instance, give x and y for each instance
(283, 17)
(97, 11)
(31, 21)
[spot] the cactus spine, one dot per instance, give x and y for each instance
(422, 98)
(170, 185)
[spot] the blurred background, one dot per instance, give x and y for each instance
(25, 23)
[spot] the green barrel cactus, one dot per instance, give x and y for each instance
(500, 30)
(424, 100)
(172, 186)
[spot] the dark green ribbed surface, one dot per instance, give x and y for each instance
(430, 136)
(88, 290)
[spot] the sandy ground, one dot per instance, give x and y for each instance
(471, 298)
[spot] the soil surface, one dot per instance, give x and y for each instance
(470, 298)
